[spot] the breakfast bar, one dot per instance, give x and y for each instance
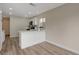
(29, 38)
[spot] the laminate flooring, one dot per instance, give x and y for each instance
(11, 47)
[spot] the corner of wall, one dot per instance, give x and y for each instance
(61, 46)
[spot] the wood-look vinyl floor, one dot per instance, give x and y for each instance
(11, 47)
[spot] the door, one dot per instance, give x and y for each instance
(6, 25)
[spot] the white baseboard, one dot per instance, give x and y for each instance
(61, 46)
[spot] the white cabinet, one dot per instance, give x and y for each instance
(29, 38)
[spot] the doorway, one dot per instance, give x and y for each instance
(6, 25)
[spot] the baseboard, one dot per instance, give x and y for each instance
(63, 47)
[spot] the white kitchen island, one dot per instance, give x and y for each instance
(30, 38)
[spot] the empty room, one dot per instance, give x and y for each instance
(39, 28)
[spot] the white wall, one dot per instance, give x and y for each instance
(0, 22)
(17, 24)
(0, 31)
(63, 26)
(2, 35)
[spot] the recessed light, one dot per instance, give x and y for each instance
(10, 8)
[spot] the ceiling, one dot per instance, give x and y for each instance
(26, 9)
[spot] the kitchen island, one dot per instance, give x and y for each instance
(30, 38)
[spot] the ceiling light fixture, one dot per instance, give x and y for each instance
(10, 8)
